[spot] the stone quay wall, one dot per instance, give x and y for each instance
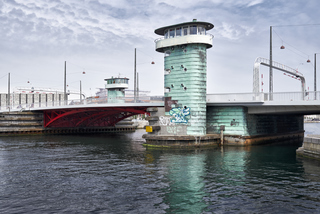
(310, 147)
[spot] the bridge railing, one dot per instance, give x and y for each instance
(211, 98)
(235, 97)
(264, 97)
(83, 102)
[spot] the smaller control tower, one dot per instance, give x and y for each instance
(116, 87)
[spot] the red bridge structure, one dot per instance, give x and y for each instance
(54, 118)
(89, 116)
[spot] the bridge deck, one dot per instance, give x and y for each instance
(102, 105)
(257, 103)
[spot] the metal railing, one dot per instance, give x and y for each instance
(264, 97)
(211, 98)
(75, 102)
(235, 97)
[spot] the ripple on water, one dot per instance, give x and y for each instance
(115, 174)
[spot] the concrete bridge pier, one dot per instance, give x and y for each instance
(165, 134)
(239, 129)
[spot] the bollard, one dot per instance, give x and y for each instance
(222, 128)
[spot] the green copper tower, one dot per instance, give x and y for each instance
(116, 87)
(185, 73)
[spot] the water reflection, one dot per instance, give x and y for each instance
(186, 183)
(116, 174)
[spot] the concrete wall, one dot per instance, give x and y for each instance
(15, 122)
(237, 121)
(274, 124)
(17, 99)
(3, 99)
(165, 127)
(310, 147)
(233, 118)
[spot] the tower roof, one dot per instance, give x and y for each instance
(207, 25)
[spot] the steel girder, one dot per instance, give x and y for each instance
(89, 117)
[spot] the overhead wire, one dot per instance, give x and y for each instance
(3, 76)
(301, 25)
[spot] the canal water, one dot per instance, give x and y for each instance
(116, 174)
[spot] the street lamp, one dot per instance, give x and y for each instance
(270, 66)
(136, 77)
(315, 76)
(8, 98)
(65, 83)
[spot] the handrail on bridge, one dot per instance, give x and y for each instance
(79, 102)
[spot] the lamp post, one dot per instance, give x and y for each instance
(8, 98)
(282, 47)
(315, 76)
(136, 77)
(270, 68)
(80, 93)
(65, 83)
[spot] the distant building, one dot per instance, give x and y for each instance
(31, 97)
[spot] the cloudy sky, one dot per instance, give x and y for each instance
(98, 37)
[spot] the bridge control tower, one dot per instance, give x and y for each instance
(185, 65)
(182, 122)
(116, 87)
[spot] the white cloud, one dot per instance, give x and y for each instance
(103, 33)
(255, 2)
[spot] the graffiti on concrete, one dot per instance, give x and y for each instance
(175, 130)
(165, 121)
(234, 123)
(179, 114)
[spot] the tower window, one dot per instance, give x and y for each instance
(166, 34)
(171, 33)
(201, 30)
(185, 31)
(178, 31)
(193, 29)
